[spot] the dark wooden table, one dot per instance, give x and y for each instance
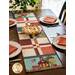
(14, 36)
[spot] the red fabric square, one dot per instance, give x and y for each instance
(20, 19)
(48, 50)
(25, 42)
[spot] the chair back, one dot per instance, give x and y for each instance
(62, 15)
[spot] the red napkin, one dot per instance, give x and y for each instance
(12, 49)
(61, 41)
(49, 19)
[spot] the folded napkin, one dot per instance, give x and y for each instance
(61, 41)
(12, 49)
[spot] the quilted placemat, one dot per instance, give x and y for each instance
(37, 51)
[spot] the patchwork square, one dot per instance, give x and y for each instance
(28, 52)
(42, 41)
(20, 15)
(54, 61)
(23, 36)
(20, 24)
(32, 18)
(33, 64)
(47, 50)
(25, 42)
(30, 14)
(33, 21)
(20, 19)
(19, 29)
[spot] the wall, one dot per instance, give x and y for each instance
(54, 5)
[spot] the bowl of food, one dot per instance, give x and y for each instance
(32, 29)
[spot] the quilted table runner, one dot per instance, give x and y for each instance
(37, 51)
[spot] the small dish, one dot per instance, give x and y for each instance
(17, 68)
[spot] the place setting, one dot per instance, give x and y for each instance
(16, 63)
(14, 49)
(59, 42)
(49, 21)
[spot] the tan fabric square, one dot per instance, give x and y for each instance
(42, 40)
(28, 52)
(23, 36)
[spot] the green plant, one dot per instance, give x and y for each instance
(24, 3)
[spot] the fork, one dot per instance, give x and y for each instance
(15, 60)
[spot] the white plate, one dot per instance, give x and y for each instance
(14, 22)
(42, 20)
(55, 43)
(19, 48)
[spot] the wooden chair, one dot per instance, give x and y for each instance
(62, 15)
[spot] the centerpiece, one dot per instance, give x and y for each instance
(24, 5)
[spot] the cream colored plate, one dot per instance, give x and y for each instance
(42, 20)
(55, 42)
